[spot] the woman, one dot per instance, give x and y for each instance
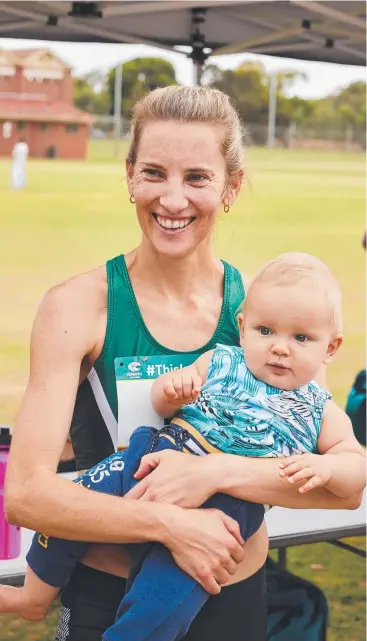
(170, 295)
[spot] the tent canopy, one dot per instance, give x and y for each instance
(305, 29)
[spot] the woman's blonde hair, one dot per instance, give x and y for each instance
(191, 105)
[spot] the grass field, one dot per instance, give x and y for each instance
(74, 215)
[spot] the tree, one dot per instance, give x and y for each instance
(301, 111)
(341, 112)
(138, 77)
(248, 86)
(351, 103)
(286, 79)
(290, 109)
(90, 93)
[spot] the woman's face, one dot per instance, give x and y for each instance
(179, 182)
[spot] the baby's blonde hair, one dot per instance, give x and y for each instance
(191, 105)
(294, 267)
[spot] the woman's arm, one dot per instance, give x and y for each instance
(36, 497)
(205, 545)
(188, 481)
(258, 480)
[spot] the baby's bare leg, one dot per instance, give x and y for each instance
(32, 601)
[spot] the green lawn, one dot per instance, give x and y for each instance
(74, 215)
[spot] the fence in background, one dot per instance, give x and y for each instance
(347, 138)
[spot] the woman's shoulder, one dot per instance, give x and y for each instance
(87, 290)
(75, 304)
(69, 322)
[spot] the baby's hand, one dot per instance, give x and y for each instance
(183, 389)
(312, 468)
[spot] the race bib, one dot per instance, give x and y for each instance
(134, 378)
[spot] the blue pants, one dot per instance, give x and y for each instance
(161, 599)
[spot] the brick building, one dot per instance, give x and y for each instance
(36, 106)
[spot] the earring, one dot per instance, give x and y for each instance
(226, 208)
(132, 199)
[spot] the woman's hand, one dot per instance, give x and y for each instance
(176, 478)
(206, 544)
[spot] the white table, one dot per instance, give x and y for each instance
(297, 527)
(286, 528)
(300, 527)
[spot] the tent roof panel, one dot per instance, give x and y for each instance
(332, 31)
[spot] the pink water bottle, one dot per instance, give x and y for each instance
(10, 535)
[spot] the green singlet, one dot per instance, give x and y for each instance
(94, 425)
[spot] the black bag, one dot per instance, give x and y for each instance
(297, 609)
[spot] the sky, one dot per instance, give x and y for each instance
(322, 78)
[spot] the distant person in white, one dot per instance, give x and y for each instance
(18, 169)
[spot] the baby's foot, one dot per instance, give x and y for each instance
(13, 601)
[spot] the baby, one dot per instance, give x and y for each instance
(257, 400)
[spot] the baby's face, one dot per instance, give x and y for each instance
(286, 333)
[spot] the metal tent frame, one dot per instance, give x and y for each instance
(323, 30)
